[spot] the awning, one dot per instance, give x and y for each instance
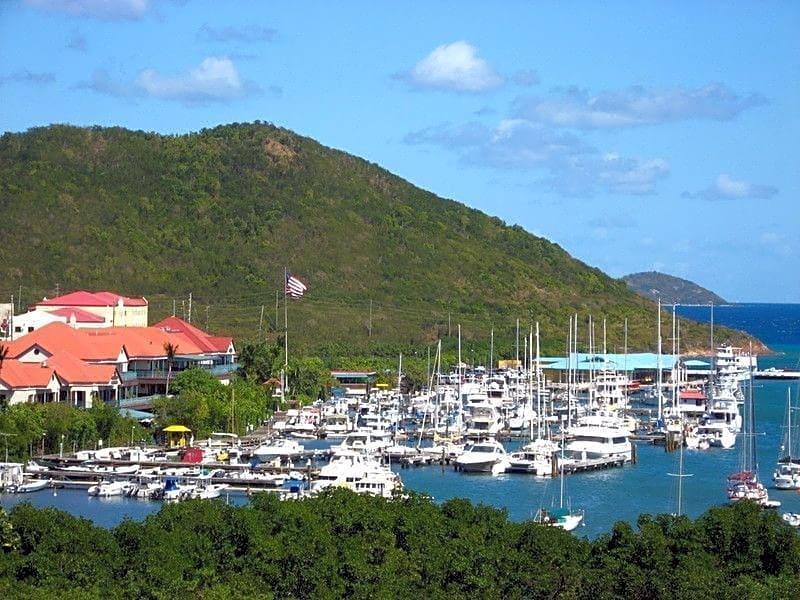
(177, 429)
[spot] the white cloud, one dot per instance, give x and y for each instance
(634, 106)
(455, 67)
(570, 166)
(109, 10)
(729, 188)
(215, 79)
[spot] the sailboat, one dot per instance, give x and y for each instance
(680, 475)
(562, 517)
(787, 473)
(745, 484)
(535, 457)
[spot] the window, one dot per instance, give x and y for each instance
(30, 328)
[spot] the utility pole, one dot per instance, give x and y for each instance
(448, 323)
(173, 307)
(208, 306)
(260, 321)
(370, 317)
(19, 299)
(183, 309)
(190, 307)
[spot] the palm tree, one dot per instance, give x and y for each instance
(170, 350)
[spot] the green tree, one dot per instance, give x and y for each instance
(259, 361)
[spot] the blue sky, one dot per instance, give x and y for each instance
(638, 136)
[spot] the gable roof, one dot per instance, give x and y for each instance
(75, 371)
(106, 343)
(16, 374)
(81, 316)
(198, 337)
(86, 298)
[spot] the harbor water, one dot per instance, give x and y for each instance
(606, 496)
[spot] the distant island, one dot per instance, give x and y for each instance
(671, 290)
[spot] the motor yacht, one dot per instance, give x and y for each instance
(486, 456)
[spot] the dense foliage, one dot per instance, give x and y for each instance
(672, 290)
(204, 405)
(30, 429)
(340, 545)
(220, 213)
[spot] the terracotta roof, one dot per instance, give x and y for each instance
(15, 374)
(85, 298)
(76, 371)
(106, 343)
(198, 337)
(81, 316)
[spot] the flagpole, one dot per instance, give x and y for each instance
(285, 333)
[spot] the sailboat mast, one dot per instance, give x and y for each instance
(659, 375)
(538, 388)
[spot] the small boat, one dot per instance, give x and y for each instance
(34, 467)
(31, 485)
(561, 517)
(106, 489)
(787, 471)
(745, 484)
(206, 492)
(792, 519)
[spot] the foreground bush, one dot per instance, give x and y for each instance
(342, 545)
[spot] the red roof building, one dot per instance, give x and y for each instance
(113, 363)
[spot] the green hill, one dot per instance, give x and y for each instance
(671, 290)
(220, 212)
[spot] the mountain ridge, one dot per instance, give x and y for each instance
(220, 212)
(672, 290)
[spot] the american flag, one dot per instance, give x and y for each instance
(294, 287)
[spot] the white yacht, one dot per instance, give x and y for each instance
(111, 488)
(718, 435)
(358, 472)
(787, 476)
(609, 390)
(279, 448)
(596, 441)
(487, 456)
(365, 441)
(336, 426)
(535, 458)
(484, 420)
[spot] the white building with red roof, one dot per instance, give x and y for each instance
(118, 365)
(80, 310)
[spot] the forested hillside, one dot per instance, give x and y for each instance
(221, 212)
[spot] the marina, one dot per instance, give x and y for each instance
(604, 496)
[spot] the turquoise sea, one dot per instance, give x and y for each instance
(605, 496)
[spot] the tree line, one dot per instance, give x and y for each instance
(341, 545)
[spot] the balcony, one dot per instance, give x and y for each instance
(161, 374)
